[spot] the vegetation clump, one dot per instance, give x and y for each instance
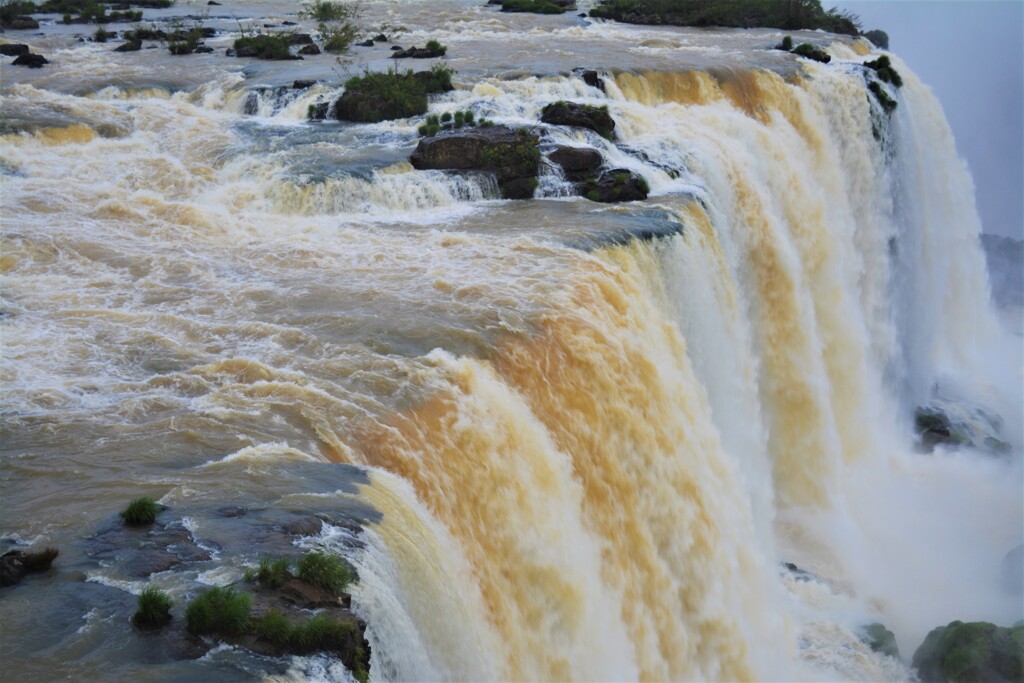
(808, 51)
(383, 95)
(880, 639)
(879, 37)
(976, 651)
(535, 6)
(140, 511)
(326, 571)
(434, 124)
(784, 14)
(223, 611)
(888, 104)
(271, 573)
(154, 608)
(264, 46)
(317, 634)
(786, 44)
(887, 74)
(335, 21)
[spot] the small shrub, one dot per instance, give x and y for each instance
(879, 37)
(326, 571)
(445, 117)
(468, 117)
(219, 610)
(435, 46)
(273, 573)
(275, 628)
(786, 44)
(141, 511)
(101, 35)
(460, 119)
(322, 11)
(888, 103)
(438, 79)
(886, 73)
(154, 608)
(40, 561)
(338, 38)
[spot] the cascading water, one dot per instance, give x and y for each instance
(579, 454)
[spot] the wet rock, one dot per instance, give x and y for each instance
(596, 119)
(32, 61)
(512, 155)
(808, 51)
(395, 48)
(591, 78)
(880, 639)
(300, 39)
(152, 561)
(14, 50)
(798, 573)
(203, 49)
(141, 552)
(213, 2)
(307, 596)
(366, 43)
(578, 163)
(418, 53)
(232, 511)
(318, 111)
(616, 185)
(130, 46)
(976, 651)
(302, 84)
(15, 565)
(306, 525)
(311, 49)
(380, 38)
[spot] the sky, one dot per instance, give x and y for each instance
(970, 53)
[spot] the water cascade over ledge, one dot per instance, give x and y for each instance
(558, 440)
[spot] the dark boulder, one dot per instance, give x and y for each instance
(380, 38)
(14, 50)
(300, 39)
(417, 53)
(578, 163)
(977, 651)
(318, 111)
(32, 61)
(22, 24)
(591, 78)
(512, 155)
(596, 119)
(129, 46)
(302, 84)
(311, 49)
(366, 43)
(396, 48)
(616, 185)
(203, 49)
(381, 96)
(880, 639)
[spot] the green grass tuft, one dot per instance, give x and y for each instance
(275, 628)
(141, 511)
(266, 45)
(437, 47)
(326, 571)
(273, 573)
(219, 610)
(320, 633)
(154, 608)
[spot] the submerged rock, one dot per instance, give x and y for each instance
(596, 119)
(952, 425)
(967, 652)
(311, 49)
(591, 78)
(415, 52)
(511, 154)
(129, 46)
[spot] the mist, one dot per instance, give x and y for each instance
(970, 54)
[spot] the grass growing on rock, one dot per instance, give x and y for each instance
(219, 610)
(275, 628)
(273, 573)
(883, 67)
(140, 511)
(326, 571)
(784, 14)
(437, 47)
(383, 95)
(154, 608)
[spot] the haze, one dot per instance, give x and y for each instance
(970, 53)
